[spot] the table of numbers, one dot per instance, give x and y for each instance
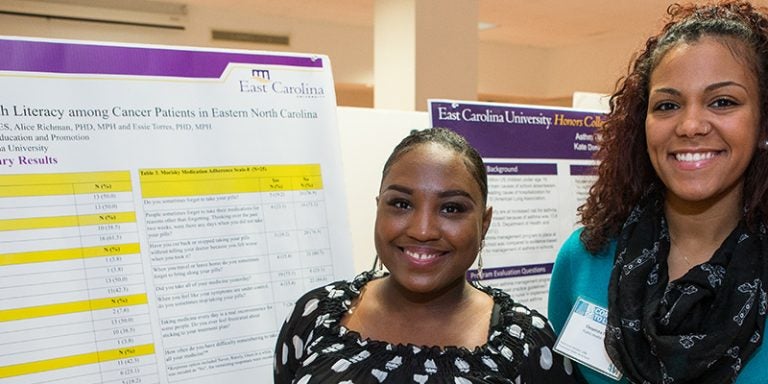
(231, 248)
(73, 297)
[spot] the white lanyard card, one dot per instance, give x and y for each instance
(582, 338)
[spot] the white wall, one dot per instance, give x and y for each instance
(592, 67)
(513, 70)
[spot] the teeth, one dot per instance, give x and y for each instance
(420, 256)
(694, 156)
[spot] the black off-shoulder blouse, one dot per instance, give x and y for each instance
(313, 347)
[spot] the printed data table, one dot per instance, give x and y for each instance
(230, 249)
(73, 297)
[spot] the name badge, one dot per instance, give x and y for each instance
(581, 339)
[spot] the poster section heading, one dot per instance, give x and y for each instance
(37, 139)
(242, 87)
(527, 132)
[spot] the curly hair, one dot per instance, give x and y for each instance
(450, 140)
(625, 173)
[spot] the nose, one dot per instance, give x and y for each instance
(423, 225)
(694, 122)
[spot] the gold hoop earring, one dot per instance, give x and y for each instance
(480, 261)
(377, 266)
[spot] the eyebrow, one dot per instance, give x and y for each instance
(709, 88)
(442, 194)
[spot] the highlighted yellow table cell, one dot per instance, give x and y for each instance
(127, 352)
(67, 221)
(108, 218)
(38, 223)
(274, 184)
(304, 183)
(214, 173)
(49, 365)
(111, 250)
(75, 361)
(63, 183)
(103, 187)
(194, 188)
(72, 307)
(170, 182)
(36, 190)
(122, 301)
(68, 254)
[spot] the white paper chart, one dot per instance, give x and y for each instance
(161, 209)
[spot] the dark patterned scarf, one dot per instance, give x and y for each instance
(700, 328)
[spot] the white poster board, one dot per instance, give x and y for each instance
(161, 208)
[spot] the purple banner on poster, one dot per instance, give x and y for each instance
(517, 132)
(510, 272)
(583, 170)
(508, 169)
(78, 58)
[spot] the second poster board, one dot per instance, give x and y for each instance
(540, 168)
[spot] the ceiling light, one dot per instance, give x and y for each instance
(485, 26)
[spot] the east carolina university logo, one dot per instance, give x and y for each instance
(261, 82)
(260, 75)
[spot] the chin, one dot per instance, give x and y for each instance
(698, 196)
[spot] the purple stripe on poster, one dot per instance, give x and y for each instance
(520, 132)
(58, 57)
(506, 169)
(512, 271)
(583, 170)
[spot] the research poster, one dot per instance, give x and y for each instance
(161, 208)
(540, 168)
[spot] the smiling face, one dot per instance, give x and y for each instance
(430, 219)
(702, 121)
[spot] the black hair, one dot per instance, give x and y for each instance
(449, 139)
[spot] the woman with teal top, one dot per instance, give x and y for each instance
(674, 239)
